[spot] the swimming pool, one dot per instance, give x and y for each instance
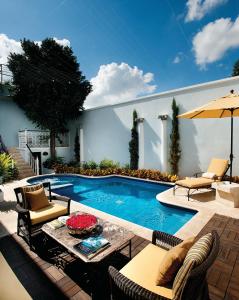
(130, 199)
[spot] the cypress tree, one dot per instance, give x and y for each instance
(235, 71)
(77, 146)
(175, 151)
(134, 144)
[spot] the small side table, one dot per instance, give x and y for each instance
(228, 191)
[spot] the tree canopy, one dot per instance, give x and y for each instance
(48, 85)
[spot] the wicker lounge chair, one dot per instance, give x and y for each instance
(137, 279)
(30, 222)
(217, 166)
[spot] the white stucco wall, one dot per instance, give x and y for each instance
(107, 129)
(13, 119)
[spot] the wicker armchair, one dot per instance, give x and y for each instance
(29, 223)
(122, 288)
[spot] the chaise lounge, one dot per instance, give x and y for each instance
(215, 172)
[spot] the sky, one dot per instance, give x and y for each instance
(131, 48)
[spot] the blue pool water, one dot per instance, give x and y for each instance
(129, 199)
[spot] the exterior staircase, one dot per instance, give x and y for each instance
(24, 168)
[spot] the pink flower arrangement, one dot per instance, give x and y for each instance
(81, 221)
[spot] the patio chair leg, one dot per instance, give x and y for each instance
(188, 194)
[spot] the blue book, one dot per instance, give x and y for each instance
(92, 245)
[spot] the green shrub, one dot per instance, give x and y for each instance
(50, 163)
(107, 163)
(92, 165)
(8, 168)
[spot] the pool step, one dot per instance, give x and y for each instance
(60, 186)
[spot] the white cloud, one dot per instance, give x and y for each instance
(214, 40)
(117, 83)
(197, 9)
(8, 45)
(177, 60)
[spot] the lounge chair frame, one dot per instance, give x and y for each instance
(122, 288)
(25, 228)
(208, 187)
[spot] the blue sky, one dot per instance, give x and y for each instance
(157, 37)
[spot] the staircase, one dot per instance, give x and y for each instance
(24, 168)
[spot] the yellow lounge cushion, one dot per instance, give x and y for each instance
(218, 166)
(52, 211)
(143, 270)
(172, 261)
(195, 182)
(10, 287)
(37, 199)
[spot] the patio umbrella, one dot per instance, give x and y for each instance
(224, 107)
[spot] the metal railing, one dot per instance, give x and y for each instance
(33, 161)
(40, 139)
(5, 74)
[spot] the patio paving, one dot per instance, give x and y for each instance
(42, 278)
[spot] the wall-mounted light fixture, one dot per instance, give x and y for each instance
(140, 120)
(163, 117)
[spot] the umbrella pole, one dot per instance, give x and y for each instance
(231, 154)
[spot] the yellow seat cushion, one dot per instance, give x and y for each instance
(218, 166)
(52, 211)
(199, 182)
(37, 199)
(10, 287)
(143, 270)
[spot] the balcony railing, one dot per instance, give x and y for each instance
(40, 139)
(5, 74)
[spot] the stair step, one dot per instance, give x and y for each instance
(24, 169)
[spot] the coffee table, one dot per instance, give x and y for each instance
(118, 237)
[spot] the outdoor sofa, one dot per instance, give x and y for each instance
(137, 280)
(29, 221)
(215, 172)
(10, 287)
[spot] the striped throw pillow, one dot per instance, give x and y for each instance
(27, 189)
(200, 250)
(195, 256)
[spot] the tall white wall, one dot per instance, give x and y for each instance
(107, 129)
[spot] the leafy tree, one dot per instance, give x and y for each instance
(77, 146)
(134, 144)
(235, 71)
(175, 151)
(48, 85)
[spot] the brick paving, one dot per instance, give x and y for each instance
(43, 279)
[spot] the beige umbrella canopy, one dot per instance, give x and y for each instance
(224, 107)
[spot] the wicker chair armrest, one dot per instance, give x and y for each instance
(130, 289)
(60, 198)
(21, 210)
(164, 239)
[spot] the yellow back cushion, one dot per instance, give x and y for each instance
(218, 166)
(37, 199)
(173, 261)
